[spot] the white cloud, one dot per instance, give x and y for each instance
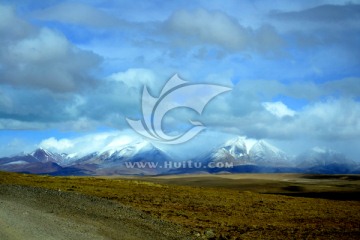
(61, 145)
(89, 143)
(118, 142)
(278, 109)
(135, 77)
(334, 119)
(45, 46)
(330, 120)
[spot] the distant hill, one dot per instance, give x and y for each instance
(143, 158)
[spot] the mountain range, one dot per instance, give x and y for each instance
(143, 158)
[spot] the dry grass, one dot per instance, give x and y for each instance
(226, 213)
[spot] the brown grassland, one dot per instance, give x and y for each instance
(243, 206)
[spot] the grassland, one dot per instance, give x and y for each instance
(230, 206)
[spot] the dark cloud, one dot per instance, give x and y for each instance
(347, 87)
(41, 57)
(34, 105)
(78, 14)
(201, 27)
(323, 13)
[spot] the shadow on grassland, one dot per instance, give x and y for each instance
(339, 181)
(344, 196)
(332, 187)
(332, 177)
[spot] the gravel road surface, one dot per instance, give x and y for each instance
(36, 213)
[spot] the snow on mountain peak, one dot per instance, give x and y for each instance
(41, 153)
(141, 145)
(44, 155)
(263, 146)
(40, 150)
(322, 157)
(235, 147)
(234, 150)
(324, 150)
(263, 152)
(129, 150)
(118, 143)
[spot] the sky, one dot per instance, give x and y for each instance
(71, 72)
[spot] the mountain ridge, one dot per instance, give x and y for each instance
(135, 158)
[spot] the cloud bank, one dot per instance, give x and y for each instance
(81, 66)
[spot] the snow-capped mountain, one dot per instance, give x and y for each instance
(39, 155)
(234, 151)
(264, 154)
(134, 152)
(114, 160)
(107, 162)
(134, 158)
(68, 159)
(261, 153)
(42, 155)
(325, 160)
(39, 161)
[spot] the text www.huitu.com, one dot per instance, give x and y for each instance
(173, 164)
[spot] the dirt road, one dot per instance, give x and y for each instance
(18, 221)
(35, 213)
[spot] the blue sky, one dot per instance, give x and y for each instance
(71, 71)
